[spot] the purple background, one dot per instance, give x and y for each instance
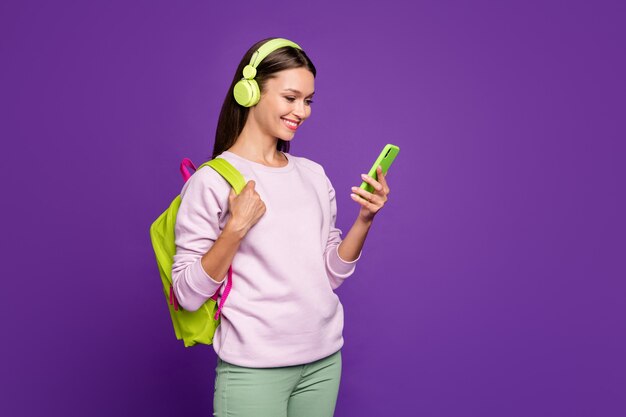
(491, 284)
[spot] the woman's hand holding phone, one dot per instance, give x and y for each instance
(373, 192)
(371, 203)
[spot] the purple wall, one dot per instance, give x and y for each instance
(492, 284)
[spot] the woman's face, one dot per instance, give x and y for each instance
(285, 102)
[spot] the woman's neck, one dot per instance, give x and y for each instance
(263, 155)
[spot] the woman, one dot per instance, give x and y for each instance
(280, 338)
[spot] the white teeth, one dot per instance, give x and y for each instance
(290, 123)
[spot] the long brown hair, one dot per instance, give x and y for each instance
(233, 116)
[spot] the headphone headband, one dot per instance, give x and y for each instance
(249, 71)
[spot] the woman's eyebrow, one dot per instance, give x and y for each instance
(298, 91)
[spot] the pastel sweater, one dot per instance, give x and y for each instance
(281, 310)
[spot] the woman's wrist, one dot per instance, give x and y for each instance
(234, 230)
(365, 222)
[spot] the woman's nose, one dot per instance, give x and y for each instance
(299, 109)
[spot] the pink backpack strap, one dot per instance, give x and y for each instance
(173, 300)
(184, 168)
(229, 284)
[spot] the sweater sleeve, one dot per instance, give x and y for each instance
(337, 269)
(197, 228)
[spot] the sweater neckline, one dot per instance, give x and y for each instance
(259, 166)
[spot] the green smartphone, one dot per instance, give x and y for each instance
(386, 157)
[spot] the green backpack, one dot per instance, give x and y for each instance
(198, 326)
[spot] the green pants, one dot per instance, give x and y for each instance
(308, 390)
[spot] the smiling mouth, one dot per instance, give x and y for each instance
(290, 125)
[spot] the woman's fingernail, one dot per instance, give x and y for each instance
(363, 176)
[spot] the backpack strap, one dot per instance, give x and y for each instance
(229, 172)
(229, 284)
(184, 168)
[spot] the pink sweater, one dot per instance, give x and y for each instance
(282, 309)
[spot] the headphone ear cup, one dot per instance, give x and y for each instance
(247, 92)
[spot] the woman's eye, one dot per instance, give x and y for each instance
(291, 99)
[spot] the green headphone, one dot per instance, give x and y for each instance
(246, 91)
